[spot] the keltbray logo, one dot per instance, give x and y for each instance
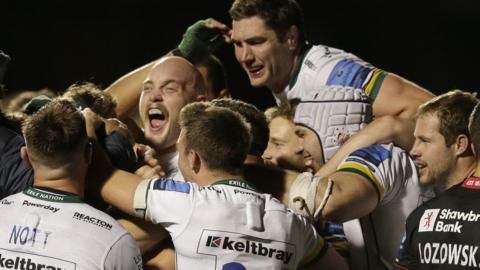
(25, 261)
(214, 241)
(250, 246)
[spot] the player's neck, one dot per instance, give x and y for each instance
(476, 173)
(66, 185)
(211, 177)
(466, 166)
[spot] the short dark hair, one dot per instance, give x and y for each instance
(253, 116)
(216, 73)
(87, 94)
(279, 15)
(55, 133)
(220, 135)
(453, 110)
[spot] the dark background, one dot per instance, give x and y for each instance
(56, 43)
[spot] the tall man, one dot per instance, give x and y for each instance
(48, 225)
(338, 90)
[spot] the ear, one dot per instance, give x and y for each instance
(293, 35)
(225, 93)
(194, 161)
(462, 145)
(25, 157)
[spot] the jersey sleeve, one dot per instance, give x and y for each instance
(315, 245)
(386, 167)
(346, 69)
(170, 203)
(124, 255)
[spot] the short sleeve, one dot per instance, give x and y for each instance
(124, 255)
(170, 203)
(386, 167)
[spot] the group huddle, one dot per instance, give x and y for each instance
(356, 168)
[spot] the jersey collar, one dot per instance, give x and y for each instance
(236, 183)
(471, 182)
(52, 195)
(306, 48)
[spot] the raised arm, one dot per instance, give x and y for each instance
(399, 97)
(127, 90)
(385, 129)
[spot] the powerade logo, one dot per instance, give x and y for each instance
(25, 261)
(265, 248)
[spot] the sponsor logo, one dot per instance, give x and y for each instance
(445, 220)
(24, 235)
(25, 261)
(237, 191)
(310, 64)
(246, 244)
(92, 220)
(427, 221)
(6, 202)
(44, 206)
(443, 253)
(45, 196)
(471, 183)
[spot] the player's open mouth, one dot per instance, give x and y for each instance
(157, 118)
(256, 71)
(421, 167)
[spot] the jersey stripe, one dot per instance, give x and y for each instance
(366, 173)
(373, 85)
(171, 185)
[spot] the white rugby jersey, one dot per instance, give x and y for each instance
(320, 66)
(47, 229)
(229, 225)
(394, 176)
(336, 90)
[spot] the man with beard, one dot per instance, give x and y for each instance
(445, 159)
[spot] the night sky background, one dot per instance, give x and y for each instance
(56, 43)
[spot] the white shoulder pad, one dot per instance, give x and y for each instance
(334, 110)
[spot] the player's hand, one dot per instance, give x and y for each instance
(151, 167)
(113, 124)
(222, 28)
(201, 39)
(93, 122)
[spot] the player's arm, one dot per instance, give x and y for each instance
(349, 196)
(127, 90)
(399, 97)
(385, 129)
(146, 234)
